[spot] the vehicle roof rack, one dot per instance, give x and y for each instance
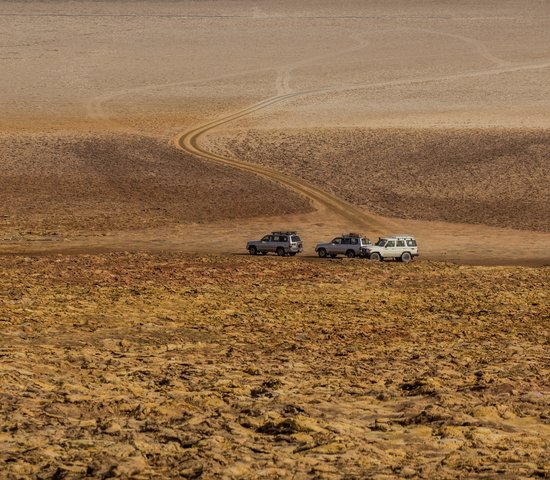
(284, 232)
(351, 234)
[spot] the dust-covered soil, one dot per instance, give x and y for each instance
(60, 185)
(495, 177)
(406, 63)
(173, 366)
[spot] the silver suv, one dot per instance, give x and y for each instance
(281, 243)
(402, 248)
(351, 245)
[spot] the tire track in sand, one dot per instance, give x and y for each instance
(189, 141)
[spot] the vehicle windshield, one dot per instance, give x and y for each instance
(381, 242)
(295, 238)
(336, 240)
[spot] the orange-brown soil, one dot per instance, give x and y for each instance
(172, 366)
(495, 177)
(55, 185)
(389, 73)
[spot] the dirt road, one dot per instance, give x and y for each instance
(190, 142)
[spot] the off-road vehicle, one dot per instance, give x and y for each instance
(402, 248)
(281, 243)
(350, 244)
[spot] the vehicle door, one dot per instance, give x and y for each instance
(345, 246)
(363, 244)
(335, 246)
(273, 243)
(354, 241)
(264, 244)
(284, 242)
(391, 250)
(401, 246)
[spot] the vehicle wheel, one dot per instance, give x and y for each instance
(375, 256)
(280, 251)
(350, 254)
(322, 253)
(406, 257)
(332, 255)
(253, 250)
(292, 253)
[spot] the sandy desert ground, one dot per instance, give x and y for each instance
(495, 177)
(459, 83)
(143, 142)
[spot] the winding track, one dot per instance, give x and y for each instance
(189, 142)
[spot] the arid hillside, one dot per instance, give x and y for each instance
(97, 184)
(495, 177)
(370, 63)
(449, 102)
(235, 367)
(143, 142)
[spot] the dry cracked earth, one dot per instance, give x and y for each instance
(172, 366)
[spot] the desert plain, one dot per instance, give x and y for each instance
(142, 143)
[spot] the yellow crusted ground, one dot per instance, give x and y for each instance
(177, 366)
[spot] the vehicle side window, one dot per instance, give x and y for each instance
(391, 243)
(354, 241)
(400, 243)
(411, 243)
(284, 238)
(346, 241)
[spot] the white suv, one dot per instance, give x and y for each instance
(402, 248)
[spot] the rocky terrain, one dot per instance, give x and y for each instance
(171, 366)
(495, 177)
